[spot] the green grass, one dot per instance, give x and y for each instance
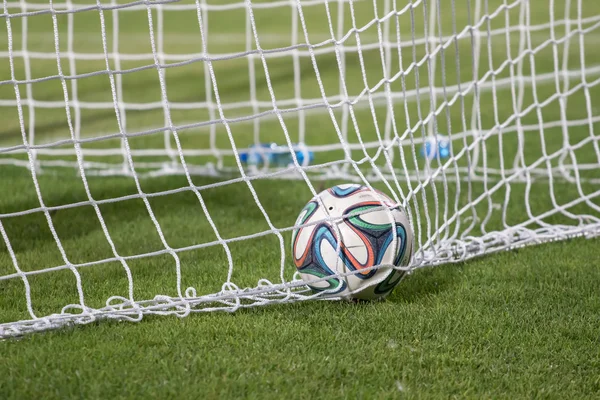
(520, 324)
(515, 325)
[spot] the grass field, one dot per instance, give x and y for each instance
(518, 324)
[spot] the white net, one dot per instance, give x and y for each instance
(134, 122)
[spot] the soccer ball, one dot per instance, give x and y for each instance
(373, 232)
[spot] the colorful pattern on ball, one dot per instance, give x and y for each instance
(339, 191)
(314, 264)
(376, 238)
(367, 234)
(394, 277)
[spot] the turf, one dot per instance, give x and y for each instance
(514, 325)
(520, 324)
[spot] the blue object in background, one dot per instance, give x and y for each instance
(274, 155)
(430, 151)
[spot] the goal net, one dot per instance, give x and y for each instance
(136, 169)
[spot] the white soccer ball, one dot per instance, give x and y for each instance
(373, 233)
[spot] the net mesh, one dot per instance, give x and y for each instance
(167, 97)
